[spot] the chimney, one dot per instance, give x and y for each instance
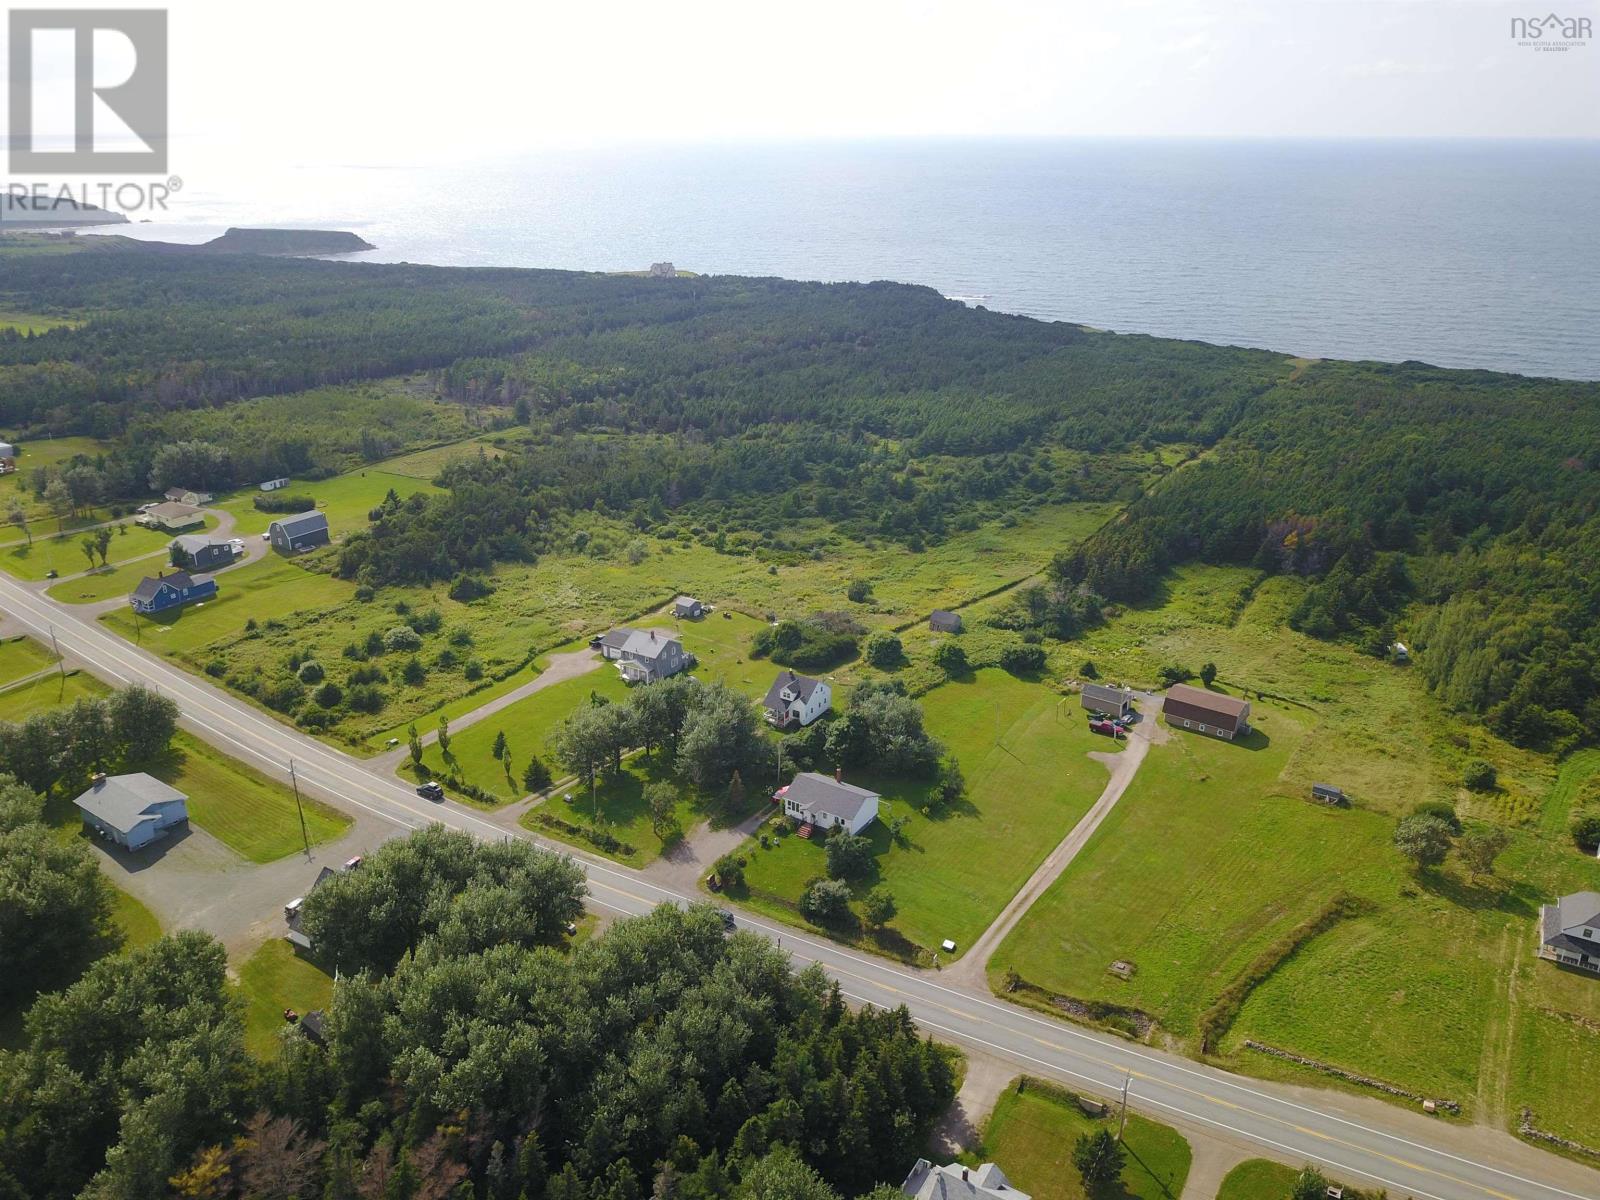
(963, 1174)
(98, 779)
(838, 774)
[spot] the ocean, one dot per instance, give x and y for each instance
(1458, 253)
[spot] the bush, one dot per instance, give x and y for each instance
(473, 670)
(284, 502)
(729, 870)
(1442, 809)
(1022, 660)
(1585, 827)
(365, 698)
(285, 695)
(1424, 839)
(950, 658)
(401, 638)
(368, 674)
(354, 651)
(466, 588)
(817, 642)
(1208, 673)
(374, 644)
(328, 695)
(1479, 776)
(849, 855)
(884, 651)
(364, 593)
(413, 672)
(429, 620)
(1088, 670)
(310, 671)
(826, 901)
(1172, 674)
(859, 591)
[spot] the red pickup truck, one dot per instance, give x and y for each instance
(1109, 728)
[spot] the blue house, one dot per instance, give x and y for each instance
(170, 591)
(291, 535)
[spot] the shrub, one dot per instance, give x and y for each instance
(859, 591)
(466, 588)
(1585, 827)
(328, 695)
(284, 502)
(413, 672)
(314, 718)
(1424, 839)
(1022, 660)
(826, 901)
(354, 651)
(884, 651)
(950, 658)
(879, 907)
(368, 674)
(1087, 670)
(364, 593)
(821, 640)
(536, 778)
(460, 636)
(1479, 776)
(730, 870)
(1208, 673)
(374, 643)
(1171, 674)
(473, 670)
(1441, 809)
(849, 855)
(429, 620)
(310, 671)
(365, 698)
(285, 695)
(445, 659)
(402, 637)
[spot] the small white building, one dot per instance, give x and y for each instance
(193, 497)
(828, 802)
(796, 700)
(272, 485)
(132, 810)
(8, 458)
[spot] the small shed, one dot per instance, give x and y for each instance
(1113, 701)
(943, 620)
(272, 485)
(1401, 653)
(688, 606)
(1326, 793)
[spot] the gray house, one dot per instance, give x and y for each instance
(132, 810)
(956, 1182)
(610, 644)
(651, 654)
(828, 802)
(201, 553)
(292, 535)
(1113, 701)
(943, 620)
(688, 606)
(1570, 931)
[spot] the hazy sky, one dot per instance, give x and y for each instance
(376, 81)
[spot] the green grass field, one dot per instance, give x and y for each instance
(617, 806)
(65, 556)
(48, 691)
(20, 656)
(1215, 853)
(138, 924)
(527, 725)
(243, 809)
(24, 322)
(268, 590)
(45, 452)
(270, 980)
(107, 584)
(346, 499)
(1033, 1129)
(1258, 1179)
(1023, 751)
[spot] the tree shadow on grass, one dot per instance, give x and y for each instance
(1490, 893)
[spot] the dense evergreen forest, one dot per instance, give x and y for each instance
(470, 1052)
(1459, 507)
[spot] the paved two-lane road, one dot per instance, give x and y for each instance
(1360, 1141)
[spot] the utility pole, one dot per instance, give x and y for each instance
(1123, 1123)
(61, 663)
(299, 808)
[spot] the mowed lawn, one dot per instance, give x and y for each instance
(1023, 749)
(23, 700)
(115, 582)
(244, 810)
(64, 555)
(346, 499)
(1031, 1135)
(617, 806)
(45, 452)
(20, 656)
(262, 591)
(270, 980)
(527, 725)
(1258, 1179)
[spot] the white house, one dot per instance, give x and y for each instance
(955, 1182)
(8, 458)
(132, 810)
(1570, 931)
(796, 700)
(272, 485)
(828, 803)
(190, 496)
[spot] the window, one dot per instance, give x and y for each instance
(1202, 729)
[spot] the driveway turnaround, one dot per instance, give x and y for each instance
(1364, 1142)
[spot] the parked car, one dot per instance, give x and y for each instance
(1097, 715)
(430, 791)
(350, 864)
(292, 909)
(1109, 728)
(727, 919)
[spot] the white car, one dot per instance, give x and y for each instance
(236, 545)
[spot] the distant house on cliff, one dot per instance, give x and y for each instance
(663, 270)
